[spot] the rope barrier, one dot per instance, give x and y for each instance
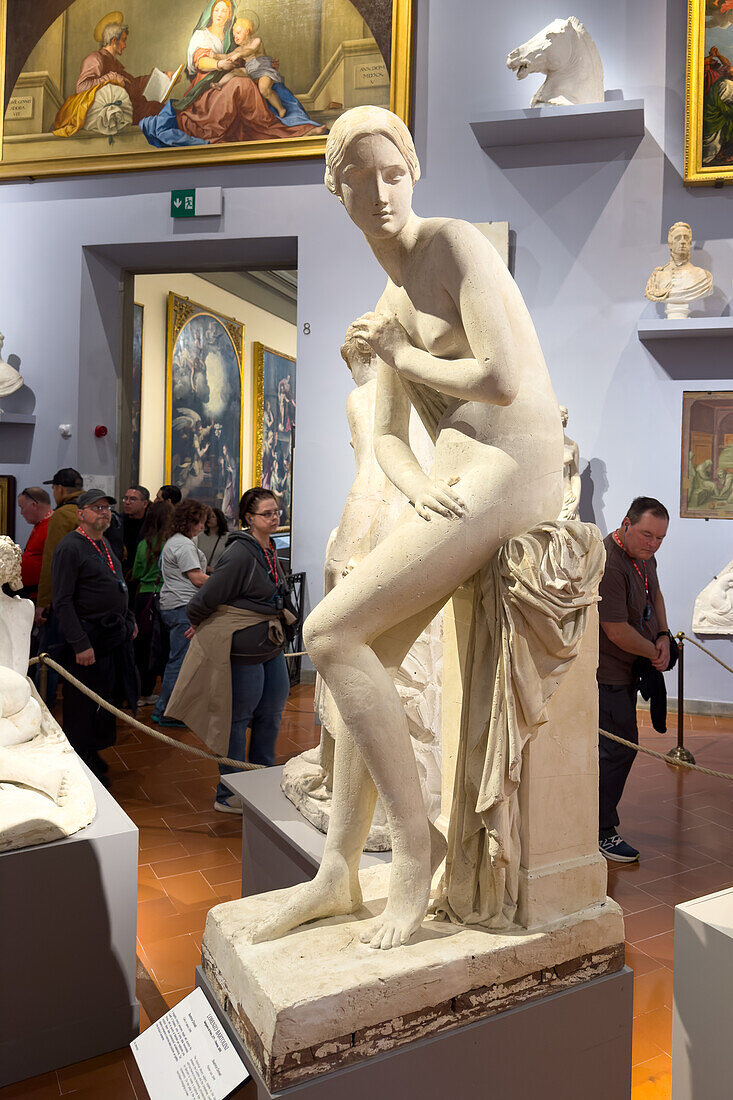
(673, 761)
(241, 765)
(687, 638)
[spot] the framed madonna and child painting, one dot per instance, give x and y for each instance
(709, 99)
(181, 82)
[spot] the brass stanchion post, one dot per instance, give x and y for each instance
(679, 752)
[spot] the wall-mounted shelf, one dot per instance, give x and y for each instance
(691, 328)
(541, 125)
(16, 418)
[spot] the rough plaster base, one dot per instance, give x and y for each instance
(296, 774)
(318, 999)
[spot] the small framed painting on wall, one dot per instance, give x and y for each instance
(707, 455)
(274, 426)
(7, 505)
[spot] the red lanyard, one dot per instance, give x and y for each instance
(96, 547)
(271, 565)
(618, 542)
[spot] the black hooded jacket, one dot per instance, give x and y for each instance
(242, 579)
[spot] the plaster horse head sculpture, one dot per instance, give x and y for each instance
(567, 54)
(44, 793)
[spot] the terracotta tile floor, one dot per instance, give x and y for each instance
(190, 860)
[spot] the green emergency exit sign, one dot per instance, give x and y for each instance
(183, 203)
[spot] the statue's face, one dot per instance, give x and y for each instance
(680, 242)
(376, 186)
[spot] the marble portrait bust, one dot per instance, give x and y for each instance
(678, 282)
(10, 379)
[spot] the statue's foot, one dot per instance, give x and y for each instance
(409, 895)
(334, 892)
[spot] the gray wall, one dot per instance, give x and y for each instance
(588, 233)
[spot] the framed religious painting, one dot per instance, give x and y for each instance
(274, 426)
(203, 413)
(7, 505)
(709, 99)
(191, 82)
(707, 455)
(136, 400)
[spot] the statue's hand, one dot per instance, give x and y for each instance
(384, 334)
(439, 496)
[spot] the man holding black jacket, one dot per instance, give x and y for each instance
(90, 603)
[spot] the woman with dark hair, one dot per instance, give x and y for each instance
(183, 567)
(235, 675)
(146, 571)
(212, 539)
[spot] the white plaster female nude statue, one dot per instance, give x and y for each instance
(455, 340)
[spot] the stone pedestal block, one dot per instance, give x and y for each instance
(68, 913)
(318, 999)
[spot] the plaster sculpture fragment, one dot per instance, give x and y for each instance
(570, 472)
(678, 282)
(371, 509)
(713, 613)
(567, 54)
(10, 379)
(455, 342)
(44, 792)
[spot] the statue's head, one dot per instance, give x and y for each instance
(679, 240)
(372, 167)
(10, 563)
(564, 416)
(359, 357)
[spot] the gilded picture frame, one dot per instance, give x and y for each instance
(137, 382)
(7, 505)
(204, 405)
(65, 112)
(706, 481)
(273, 430)
(709, 93)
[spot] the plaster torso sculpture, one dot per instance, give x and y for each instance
(455, 341)
(568, 55)
(10, 379)
(679, 282)
(713, 612)
(372, 507)
(44, 793)
(570, 472)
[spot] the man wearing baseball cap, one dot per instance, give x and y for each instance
(90, 606)
(66, 485)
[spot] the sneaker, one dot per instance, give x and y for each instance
(613, 847)
(148, 700)
(168, 722)
(224, 806)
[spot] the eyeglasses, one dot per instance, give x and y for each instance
(270, 514)
(98, 508)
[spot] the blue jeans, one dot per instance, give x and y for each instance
(176, 622)
(259, 693)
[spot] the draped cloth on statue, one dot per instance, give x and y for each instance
(531, 605)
